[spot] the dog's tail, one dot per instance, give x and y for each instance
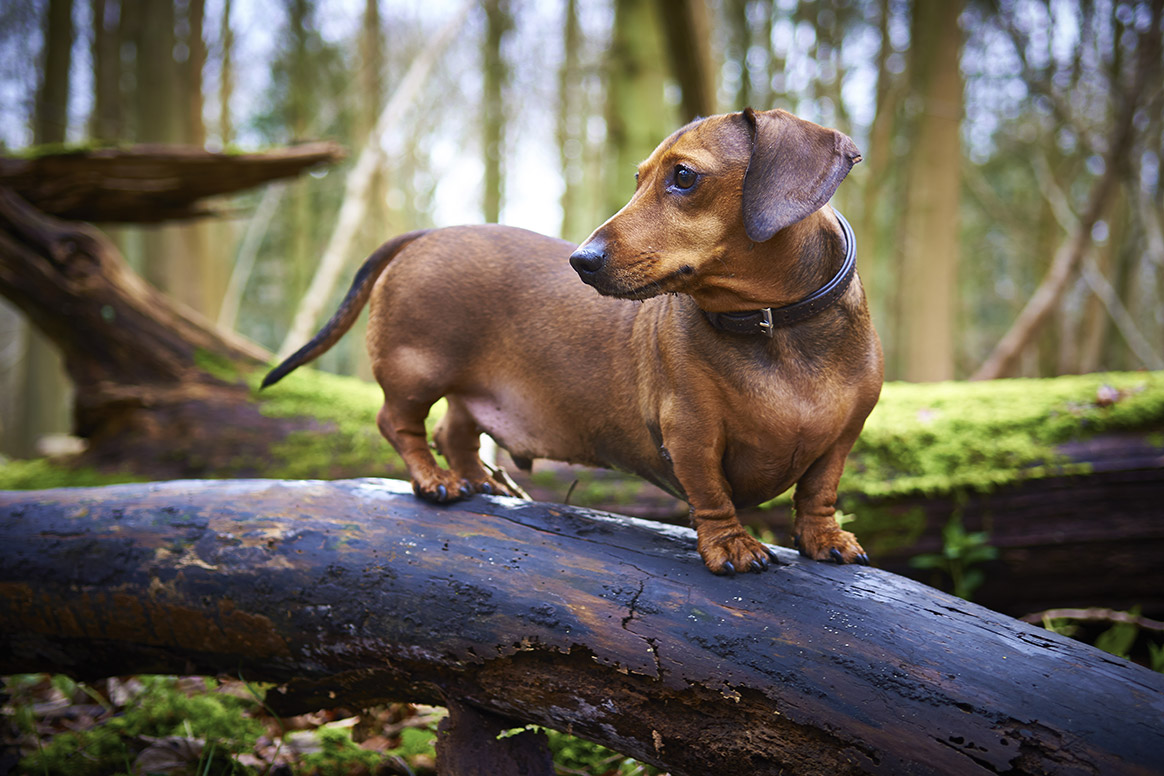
(349, 308)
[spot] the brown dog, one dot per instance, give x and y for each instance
(749, 365)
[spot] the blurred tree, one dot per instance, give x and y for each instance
(930, 259)
(377, 224)
(877, 258)
(106, 118)
(225, 76)
(687, 31)
(498, 24)
(46, 392)
(637, 116)
(1096, 96)
(571, 122)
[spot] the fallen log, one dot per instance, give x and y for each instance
(149, 183)
(353, 592)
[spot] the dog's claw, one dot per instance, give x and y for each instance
(772, 556)
(487, 488)
(728, 569)
(863, 559)
(758, 565)
(442, 493)
(466, 490)
(836, 554)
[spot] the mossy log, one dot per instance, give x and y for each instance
(148, 183)
(353, 592)
(159, 391)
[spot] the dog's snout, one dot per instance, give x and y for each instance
(588, 259)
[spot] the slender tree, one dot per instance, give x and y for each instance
(929, 270)
(687, 32)
(637, 117)
(46, 391)
(226, 77)
(498, 24)
(571, 121)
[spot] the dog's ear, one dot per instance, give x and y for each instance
(794, 169)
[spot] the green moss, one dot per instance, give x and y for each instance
(61, 149)
(42, 473)
(161, 709)
(927, 439)
(346, 441)
(217, 365)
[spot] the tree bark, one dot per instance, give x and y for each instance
(495, 72)
(637, 117)
(149, 183)
(687, 30)
(929, 273)
(353, 592)
(142, 399)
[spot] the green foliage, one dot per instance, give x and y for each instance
(44, 473)
(1118, 639)
(961, 553)
(576, 755)
(161, 709)
(579, 756)
(415, 742)
(338, 755)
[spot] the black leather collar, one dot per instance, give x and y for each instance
(768, 319)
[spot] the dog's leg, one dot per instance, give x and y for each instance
(458, 439)
(815, 529)
(722, 541)
(401, 421)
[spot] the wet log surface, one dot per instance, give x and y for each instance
(353, 592)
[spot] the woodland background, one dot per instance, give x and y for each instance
(1012, 149)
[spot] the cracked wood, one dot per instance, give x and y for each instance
(353, 592)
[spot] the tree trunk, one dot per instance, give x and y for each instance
(687, 31)
(637, 118)
(498, 23)
(571, 124)
(928, 302)
(106, 118)
(44, 392)
(226, 78)
(352, 593)
(52, 99)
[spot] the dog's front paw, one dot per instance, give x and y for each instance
(442, 489)
(831, 544)
(729, 550)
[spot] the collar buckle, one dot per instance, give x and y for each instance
(765, 325)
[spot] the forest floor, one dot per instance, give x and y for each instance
(209, 727)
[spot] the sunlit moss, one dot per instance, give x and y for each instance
(942, 437)
(344, 441)
(43, 473)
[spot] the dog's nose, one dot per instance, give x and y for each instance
(588, 259)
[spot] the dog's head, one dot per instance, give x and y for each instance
(706, 195)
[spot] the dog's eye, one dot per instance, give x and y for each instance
(684, 177)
